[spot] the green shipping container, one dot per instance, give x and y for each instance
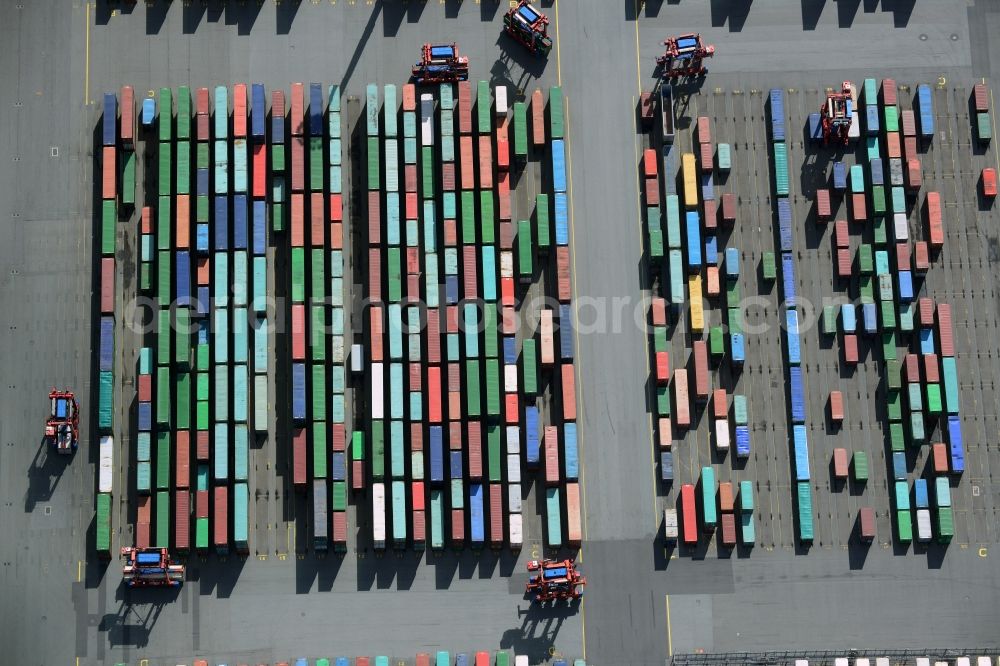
(733, 294)
(183, 391)
(829, 320)
(491, 342)
(317, 266)
(374, 167)
(655, 245)
(378, 450)
(164, 293)
(934, 405)
(904, 524)
(781, 168)
(317, 341)
(660, 342)
(866, 289)
(109, 215)
(529, 363)
(201, 533)
(298, 275)
(494, 451)
(165, 158)
(879, 231)
(339, 496)
(493, 387)
(525, 252)
(162, 539)
(889, 346)
(860, 466)
(984, 127)
(278, 158)
(484, 110)
(894, 374)
(182, 344)
(394, 268)
(166, 109)
(716, 341)
(735, 320)
(201, 156)
(542, 225)
(163, 335)
(878, 199)
(768, 268)
(945, 524)
(357, 445)
(183, 112)
(128, 178)
(163, 393)
(163, 460)
(553, 517)
(468, 199)
(891, 116)
(897, 437)
(316, 164)
(894, 405)
(103, 524)
(662, 400)
(427, 168)
(319, 448)
(183, 167)
(804, 493)
(520, 130)
(865, 259)
(487, 217)
(318, 389)
(556, 126)
(473, 399)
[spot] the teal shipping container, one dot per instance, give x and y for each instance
(395, 331)
(804, 495)
(240, 165)
(241, 335)
(436, 523)
(240, 286)
(220, 279)
(220, 334)
(489, 272)
(221, 112)
(241, 523)
(241, 394)
(260, 353)
(221, 458)
(396, 390)
(221, 376)
(220, 158)
(259, 303)
(949, 373)
(457, 494)
(399, 513)
(553, 518)
(470, 322)
(241, 452)
(708, 509)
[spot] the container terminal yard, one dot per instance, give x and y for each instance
(319, 356)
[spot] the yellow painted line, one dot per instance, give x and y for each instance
(79, 570)
(558, 58)
(583, 627)
(86, 74)
(638, 66)
(670, 637)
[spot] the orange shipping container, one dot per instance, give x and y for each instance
(298, 332)
(551, 444)
(921, 257)
(665, 432)
(563, 290)
(485, 162)
(940, 456)
(659, 308)
(858, 207)
(547, 351)
(701, 378)
(503, 194)
(475, 442)
(712, 280)
(704, 130)
(910, 147)
(409, 97)
(836, 406)
(568, 392)
(204, 272)
(652, 192)
(892, 145)
(297, 223)
(840, 465)
(336, 236)
(109, 188)
(496, 514)
(434, 408)
(375, 327)
(509, 321)
(507, 291)
(711, 214)
(936, 235)
(374, 274)
(720, 403)
(144, 510)
(844, 262)
(511, 409)
(464, 107)
(450, 233)
(726, 497)
(574, 533)
(240, 111)
(503, 154)
(298, 110)
(662, 367)
(127, 128)
(146, 221)
(183, 221)
(298, 163)
(182, 460)
(466, 164)
(182, 520)
(707, 156)
(107, 285)
(201, 450)
(537, 118)
(649, 162)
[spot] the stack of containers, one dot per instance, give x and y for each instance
(376, 317)
(222, 359)
(949, 375)
(709, 211)
(297, 239)
(109, 218)
(747, 533)
(980, 99)
(727, 509)
(317, 313)
(127, 136)
(278, 160)
(433, 530)
(737, 342)
(338, 379)
(651, 192)
(661, 371)
(258, 303)
(799, 440)
(202, 356)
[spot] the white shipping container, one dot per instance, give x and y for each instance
(841, 661)
(521, 660)
(722, 435)
(106, 464)
(923, 661)
(510, 378)
(980, 661)
(417, 465)
(378, 394)
(896, 172)
(515, 531)
(963, 661)
(924, 532)
(801, 662)
(336, 349)
(514, 468)
(357, 359)
(547, 348)
(506, 263)
(513, 439)
(501, 94)
(882, 661)
(901, 230)
(862, 661)
(260, 403)
(854, 132)
(670, 524)
(426, 120)
(378, 514)
(514, 498)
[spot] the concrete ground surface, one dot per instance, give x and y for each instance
(643, 603)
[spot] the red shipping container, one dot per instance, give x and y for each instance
(537, 118)
(704, 130)
(201, 127)
(507, 291)
(822, 205)
(204, 272)
(183, 221)
(277, 109)
(563, 290)
(457, 526)
(298, 332)
(659, 308)
(317, 218)
(711, 214)
(840, 466)
(357, 477)
(728, 521)
(336, 235)
(940, 457)
(338, 438)
(888, 92)
(127, 128)
(850, 349)
(423, 659)
(298, 163)
(447, 177)
(450, 233)
(858, 207)
(926, 309)
(469, 272)
(374, 218)
(259, 171)
(496, 514)
(511, 409)
(843, 262)
(298, 110)
(980, 97)
(109, 187)
(451, 319)
(144, 510)
(508, 323)
(182, 461)
(416, 377)
(574, 523)
(902, 256)
(841, 234)
(240, 111)
(712, 280)
(665, 432)
(503, 196)
(107, 285)
(374, 274)
(433, 335)
(475, 450)
(297, 224)
(568, 392)
(908, 124)
(652, 190)
(720, 404)
(701, 378)
(506, 235)
(647, 108)
(689, 522)
(989, 178)
(836, 406)
(464, 107)
(455, 436)
(434, 411)
(466, 163)
(931, 369)
(417, 495)
(182, 520)
(707, 154)
(146, 221)
(503, 153)
(221, 521)
(410, 200)
(145, 388)
(551, 444)
(866, 523)
(201, 504)
(419, 527)
(299, 457)
(729, 207)
(340, 525)
(682, 416)
(201, 445)
(936, 236)
(485, 162)
(409, 97)
(914, 177)
(375, 326)
(649, 162)
(910, 147)
(726, 497)
(412, 261)
(201, 101)
(410, 177)
(911, 369)
(892, 145)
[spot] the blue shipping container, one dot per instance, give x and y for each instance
(109, 122)
(956, 445)
(565, 333)
(693, 241)
(742, 441)
(477, 533)
(510, 350)
(148, 111)
(870, 317)
(182, 290)
(221, 221)
(201, 182)
(562, 218)
(707, 187)
(299, 391)
(777, 98)
(848, 318)
(315, 110)
(455, 465)
(570, 452)
(531, 438)
(785, 224)
(732, 263)
(798, 396)
(899, 466)
(240, 222)
(259, 227)
(258, 111)
(202, 302)
(201, 238)
(711, 250)
(666, 466)
(839, 176)
(792, 336)
(878, 175)
(145, 416)
(920, 494)
(801, 443)
(107, 344)
(926, 110)
(437, 454)
(451, 289)
(815, 127)
(926, 341)
(871, 119)
(788, 279)
(737, 344)
(558, 165)
(905, 280)
(338, 466)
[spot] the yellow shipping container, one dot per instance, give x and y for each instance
(697, 311)
(690, 180)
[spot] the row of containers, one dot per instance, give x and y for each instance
(709, 272)
(790, 315)
(723, 506)
(480, 389)
(922, 387)
(439, 658)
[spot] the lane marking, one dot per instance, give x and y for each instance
(86, 74)
(583, 627)
(670, 636)
(558, 58)
(993, 113)
(638, 67)
(79, 570)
